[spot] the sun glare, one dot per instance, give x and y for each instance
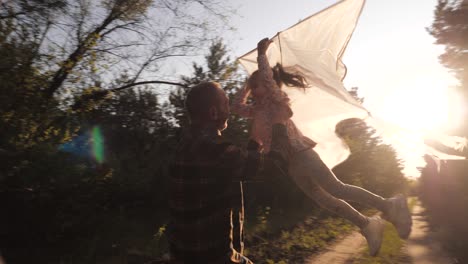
(423, 106)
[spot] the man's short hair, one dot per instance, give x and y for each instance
(200, 98)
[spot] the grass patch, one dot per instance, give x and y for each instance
(280, 238)
(273, 239)
(390, 252)
(294, 244)
(412, 201)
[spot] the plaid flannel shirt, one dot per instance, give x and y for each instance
(206, 200)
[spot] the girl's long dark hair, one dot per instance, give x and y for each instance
(289, 79)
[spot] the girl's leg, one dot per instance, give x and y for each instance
(337, 206)
(324, 177)
(300, 175)
(372, 228)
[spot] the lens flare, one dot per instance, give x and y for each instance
(98, 144)
(78, 146)
(90, 144)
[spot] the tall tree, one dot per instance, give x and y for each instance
(372, 164)
(218, 68)
(61, 61)
(450, 28)
(61, 58)
(107, 185)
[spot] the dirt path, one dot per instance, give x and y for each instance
(420, 248)
(343, 251)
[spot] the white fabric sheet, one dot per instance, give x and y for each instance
(314, 48)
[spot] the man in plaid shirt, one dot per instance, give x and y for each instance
(206, 200)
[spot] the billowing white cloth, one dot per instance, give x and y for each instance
(314, 48)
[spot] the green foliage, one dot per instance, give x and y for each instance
(56, 58)
(219, 68)
(281, 242)
(450, 28)
(389, 253)
(81, 211)
(372, 164)
(443, 187)
(25, 117)
(63, 205)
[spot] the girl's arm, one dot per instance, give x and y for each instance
(278, 97)
(240, 106)
(264, 69)
(266, 74)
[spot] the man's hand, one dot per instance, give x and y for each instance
(262, 46)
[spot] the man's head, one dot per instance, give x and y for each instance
(207, 104)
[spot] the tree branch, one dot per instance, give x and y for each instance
(124, 26)
(98, 95)
(151, 60)
(147, 82)
(72, 60)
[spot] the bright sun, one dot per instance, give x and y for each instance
(423, 106)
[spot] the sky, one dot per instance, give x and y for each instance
(391, 58)
(390, 51)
